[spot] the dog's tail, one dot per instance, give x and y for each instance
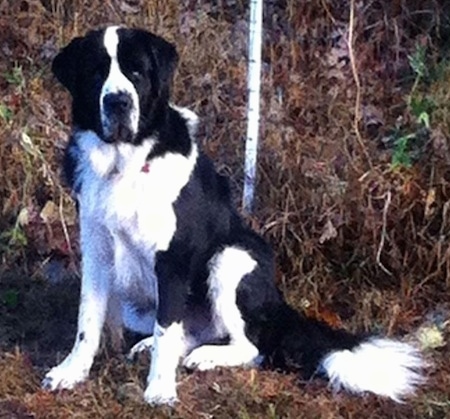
(358, 364)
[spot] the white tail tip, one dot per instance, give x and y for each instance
(382, 366)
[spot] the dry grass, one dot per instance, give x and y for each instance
(359, 243)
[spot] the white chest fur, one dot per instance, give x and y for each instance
(131, 199)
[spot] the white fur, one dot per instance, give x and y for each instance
(168, 346)
(227, 269)
(134, 272)
(382, 366)
(117, 82)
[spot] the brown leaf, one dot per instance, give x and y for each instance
(324, 314)
(49, 213)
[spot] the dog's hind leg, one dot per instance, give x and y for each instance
(227, 268)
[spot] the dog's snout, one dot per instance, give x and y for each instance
(114, 103)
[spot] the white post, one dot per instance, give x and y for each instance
(253, 84)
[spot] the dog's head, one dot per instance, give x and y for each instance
(120, 80)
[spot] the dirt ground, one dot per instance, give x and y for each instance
(353, 192)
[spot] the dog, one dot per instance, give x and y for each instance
(165, 253)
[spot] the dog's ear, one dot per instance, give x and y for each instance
(166, 59)
(66, 63)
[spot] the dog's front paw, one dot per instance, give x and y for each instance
(64, 376)
(158, 394)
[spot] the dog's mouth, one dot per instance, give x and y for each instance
(115, 131)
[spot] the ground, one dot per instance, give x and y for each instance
(353, 192)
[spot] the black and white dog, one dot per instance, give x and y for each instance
(163, 251)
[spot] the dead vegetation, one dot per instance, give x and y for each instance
(353, 192)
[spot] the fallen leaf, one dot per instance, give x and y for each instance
(24, 217)
(49, 213)
(329, 232)
(325, 315)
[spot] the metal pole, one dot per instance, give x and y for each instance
(253, 84)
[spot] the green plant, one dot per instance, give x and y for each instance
(12, 239)
(401, 157)
(6, 114)
(417, 61)
(409, 146)
(15, 77)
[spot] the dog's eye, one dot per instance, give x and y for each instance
(136, 74)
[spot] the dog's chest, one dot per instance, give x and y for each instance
(135, 206)
(131, 197)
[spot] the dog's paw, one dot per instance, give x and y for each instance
(208, 357)
(143, 345)
(64, 376)
(158, 394)
(204, 358)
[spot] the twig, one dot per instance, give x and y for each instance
(357, 83)
(64, 224)
(383, 233)
(327, 11)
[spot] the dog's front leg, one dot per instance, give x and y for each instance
(169, 342)
(166, 351)
(97, 275)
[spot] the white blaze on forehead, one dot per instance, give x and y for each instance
(117, 81)
(111, 41)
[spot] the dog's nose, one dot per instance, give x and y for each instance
(114, 103)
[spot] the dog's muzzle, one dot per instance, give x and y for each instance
(116, 120)
(117, 104)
